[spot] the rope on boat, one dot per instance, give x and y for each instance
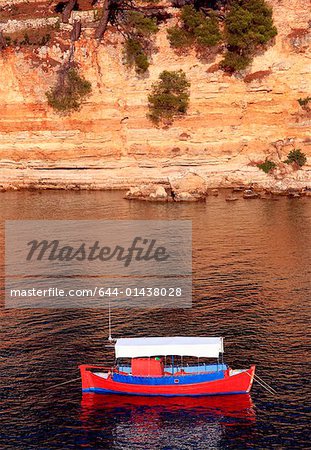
(264, 382)
(61, 384)
(265, 387)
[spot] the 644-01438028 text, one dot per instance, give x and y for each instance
(99, 292)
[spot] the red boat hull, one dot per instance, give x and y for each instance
(240, 383)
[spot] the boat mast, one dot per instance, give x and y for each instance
(109, 321)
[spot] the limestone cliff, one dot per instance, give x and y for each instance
(233, 121)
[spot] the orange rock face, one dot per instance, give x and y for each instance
(110, 143)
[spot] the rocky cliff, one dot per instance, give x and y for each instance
(233, 121)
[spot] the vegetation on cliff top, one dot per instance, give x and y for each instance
(32, 37)
(129, 18)
(196, 29)
(248, 26)
(69, 92)
(243, 26)
(169, 98)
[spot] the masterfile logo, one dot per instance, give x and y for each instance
(118, 248)
(84, 263)
(139, 250)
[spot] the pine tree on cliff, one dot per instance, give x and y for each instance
(112, 11)
(136, 27)
(130, 20)
(106, 16)
(248, 27)
(115, 12)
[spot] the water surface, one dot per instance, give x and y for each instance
(251, 283)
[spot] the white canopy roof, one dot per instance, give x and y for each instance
(199, 347)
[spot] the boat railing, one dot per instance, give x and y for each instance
(179, 369)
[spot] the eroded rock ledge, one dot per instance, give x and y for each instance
(173, 175)
(191, 187)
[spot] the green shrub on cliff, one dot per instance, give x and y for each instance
(234, 62)
(69, 92)
(267, 166)
(196, 28)
(138, 43)
(169, 98)
(248, 26)
(135, 55)
(137, 23)
(297, 157)
(179, 38)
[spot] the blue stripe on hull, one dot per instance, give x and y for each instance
(169, 380)
(107, 391)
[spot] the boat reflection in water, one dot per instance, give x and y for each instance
(155, 422)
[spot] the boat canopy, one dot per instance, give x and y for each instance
(200, 347)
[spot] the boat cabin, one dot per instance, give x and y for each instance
(169, 356)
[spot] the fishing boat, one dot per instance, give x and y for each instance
(168, 366)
